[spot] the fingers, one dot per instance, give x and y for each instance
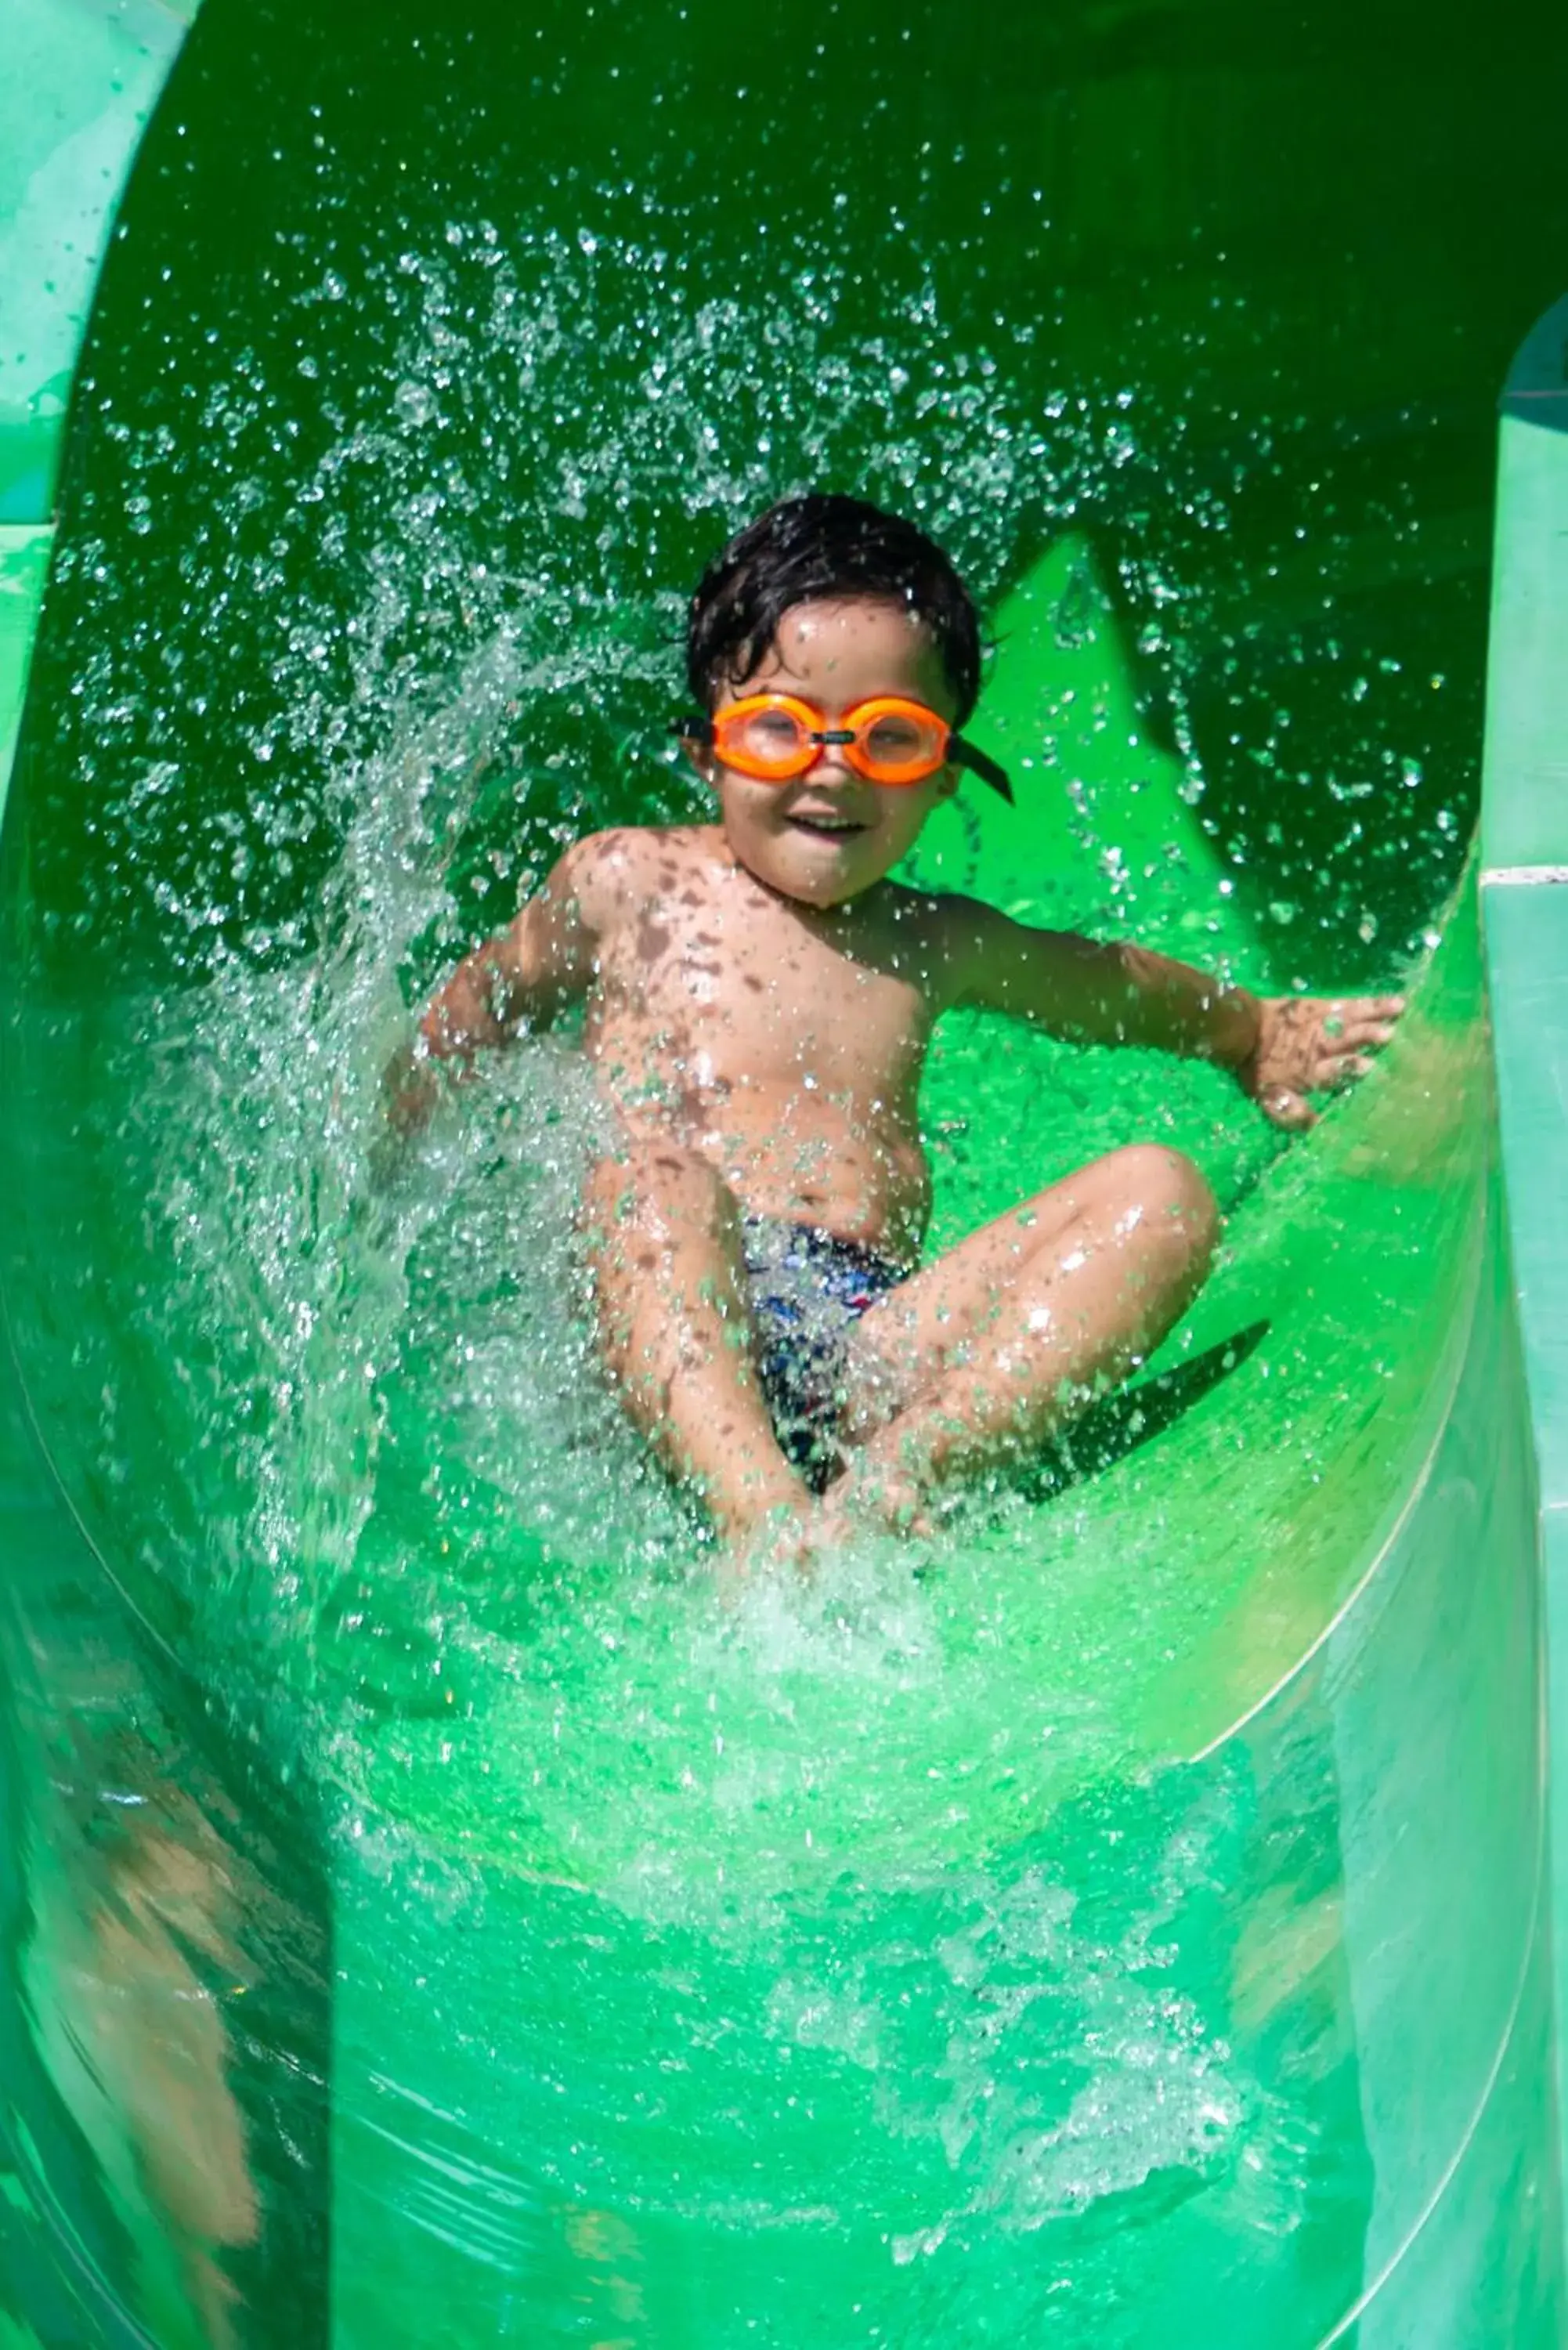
(1362, 1020)
(1372, 1034)
(1316, 1045)
(1284, 1107)
(1336, 1069)
(1351, 1033)
(1361, 1007)
(1368, 1007)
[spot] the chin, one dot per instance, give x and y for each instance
(803, 878)
(820, 889)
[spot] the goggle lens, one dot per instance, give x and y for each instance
(768, 735)
(774, 738)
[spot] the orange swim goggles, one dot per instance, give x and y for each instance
(775, 737)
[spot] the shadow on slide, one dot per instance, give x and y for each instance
(1116, 1425)
(1133, 1933)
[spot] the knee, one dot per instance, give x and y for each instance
(1170, 1198)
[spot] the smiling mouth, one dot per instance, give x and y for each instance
(826, 827)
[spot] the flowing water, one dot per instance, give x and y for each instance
(633, 1961)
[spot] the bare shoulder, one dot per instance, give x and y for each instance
(947, 933)
(605, 872)
(962, 923)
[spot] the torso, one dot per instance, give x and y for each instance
(784, 1045)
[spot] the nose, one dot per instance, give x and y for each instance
(830, 747)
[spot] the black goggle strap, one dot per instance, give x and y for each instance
(962, 753)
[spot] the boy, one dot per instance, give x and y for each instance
(760, 996)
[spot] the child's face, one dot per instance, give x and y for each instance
(828, 836)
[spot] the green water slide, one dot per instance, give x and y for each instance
(430, 1914)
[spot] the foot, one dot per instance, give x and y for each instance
(871, 1493)
(792, 1533)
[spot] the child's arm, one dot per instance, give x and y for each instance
(542, 961)
(1281, 1048)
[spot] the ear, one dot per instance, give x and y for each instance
(702, 757)
(948, 781)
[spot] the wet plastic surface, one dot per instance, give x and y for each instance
(1226, 2017)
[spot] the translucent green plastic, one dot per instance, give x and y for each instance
(432, 1917)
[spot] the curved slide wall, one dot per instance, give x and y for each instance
(1523, 844)
(462, 2069)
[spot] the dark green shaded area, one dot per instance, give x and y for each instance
(1225, 297)
(1301, 250)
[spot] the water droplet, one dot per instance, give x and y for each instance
(413, 404)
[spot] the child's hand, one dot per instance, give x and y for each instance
(1312, 1044)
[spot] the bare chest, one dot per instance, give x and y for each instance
(746, 993)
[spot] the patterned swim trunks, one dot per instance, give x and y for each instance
(808, 1290)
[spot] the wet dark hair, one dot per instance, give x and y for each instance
(822, 545)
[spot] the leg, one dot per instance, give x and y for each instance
(163, 2033)
(133, 1941)
(676, 1333)
(997, 1342)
